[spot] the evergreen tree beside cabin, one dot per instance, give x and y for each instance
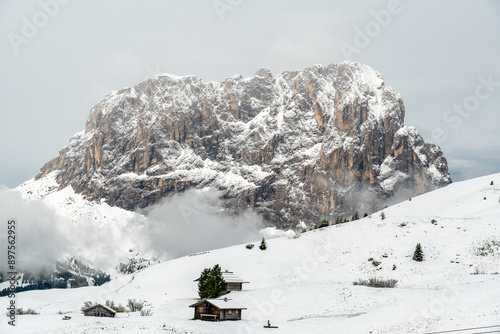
(211, 284)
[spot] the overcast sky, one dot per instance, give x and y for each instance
(59, 58)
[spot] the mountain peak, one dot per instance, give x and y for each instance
(300, 146)
(264, 73)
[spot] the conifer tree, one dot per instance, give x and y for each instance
(211, 283)
(418, 254)
(263, 245)
(215, 282)
(202, 283)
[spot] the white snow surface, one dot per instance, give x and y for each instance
(304, 284)
(73, 207)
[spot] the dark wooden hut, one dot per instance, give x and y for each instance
(217, 309)
(99, 310)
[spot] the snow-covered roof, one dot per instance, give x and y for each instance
(234, 279)
(222, 304)
(229, 277)
(103, 306)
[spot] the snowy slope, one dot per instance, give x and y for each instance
(74, 207)
(304, 285)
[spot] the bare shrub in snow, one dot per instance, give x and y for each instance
(117, 308)
(21, 311)
(478, 271)
(487, 247)
(146, 312)
(134, 305)
(375, 282)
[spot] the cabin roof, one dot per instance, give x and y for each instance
(104, 307)
(229, 277)
(222, 304)
(234, 280)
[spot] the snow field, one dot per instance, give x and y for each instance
(304, 284)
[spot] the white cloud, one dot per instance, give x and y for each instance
(194, 222)
(184, 224)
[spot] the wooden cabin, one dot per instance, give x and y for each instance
(217, 309)
(99, 310)
(231, 282)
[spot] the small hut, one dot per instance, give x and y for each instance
(232, 282)
(217, 309)
(99, 310)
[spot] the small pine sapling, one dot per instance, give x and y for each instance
(418, 254)
(263, 245)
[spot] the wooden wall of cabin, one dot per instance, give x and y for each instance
(233, 286)
(230, 315)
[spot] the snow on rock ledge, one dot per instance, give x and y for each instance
(298, 146)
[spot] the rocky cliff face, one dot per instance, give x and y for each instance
(299, 146)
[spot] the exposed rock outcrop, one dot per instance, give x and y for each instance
(301, 146)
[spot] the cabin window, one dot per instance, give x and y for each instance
(229, 311)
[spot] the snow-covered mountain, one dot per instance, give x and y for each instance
(304, 284)
(299, 146)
